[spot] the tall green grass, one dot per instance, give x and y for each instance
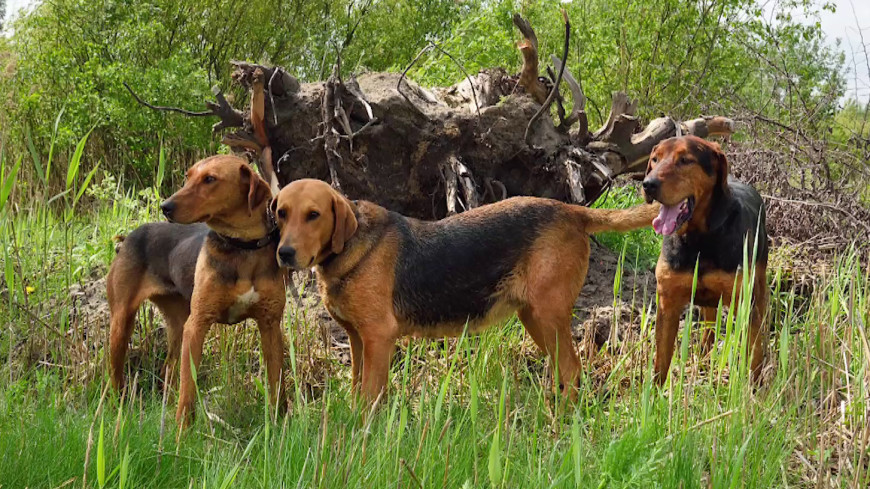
(468, 412)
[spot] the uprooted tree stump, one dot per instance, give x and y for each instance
(430, 152)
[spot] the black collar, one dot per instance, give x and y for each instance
(272, 236)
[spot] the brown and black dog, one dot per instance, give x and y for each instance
(383, 275)
(705, 218)
(222, 270)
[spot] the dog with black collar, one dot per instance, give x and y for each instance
(214, 262)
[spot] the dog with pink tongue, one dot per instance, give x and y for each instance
(706, 218)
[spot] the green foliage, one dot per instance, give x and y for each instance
(680, 58)
(852, 123)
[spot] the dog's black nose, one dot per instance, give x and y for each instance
(287, 255)
(167, 208)
(651, 186)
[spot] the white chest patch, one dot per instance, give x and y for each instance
(336, 312)
(242, 304)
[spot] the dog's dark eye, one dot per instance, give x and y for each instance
(312, 215)
(282, 214)
(209, 179)
(655, 159)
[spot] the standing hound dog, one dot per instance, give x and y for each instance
(221, 270)
(382, 275)
(705, 218)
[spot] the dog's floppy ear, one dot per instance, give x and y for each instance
(273, 206)
(649, 161)
(257, 188)
(345, 222)
(720, 163)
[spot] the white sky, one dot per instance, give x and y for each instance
(847, 23)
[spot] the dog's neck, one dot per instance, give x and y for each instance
(371, 224)
(243, 226)
(710, 212)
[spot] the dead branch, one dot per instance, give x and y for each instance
(555, 89)
(529, 49)
(821, 204)
(330, 135)
(578, 110)
(258, 122)
(241, 141)
(575, 181)
(451, 192)
(229, 116)
(186, 112)
(466, 181)
(620, 106)
(462, 68)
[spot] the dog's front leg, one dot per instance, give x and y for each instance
(378, 345)
(759, 331)
(195, 329)
(672, 301)
(272, 345)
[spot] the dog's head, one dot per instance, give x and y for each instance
(683, 173)
(218, 187)
(315, 221)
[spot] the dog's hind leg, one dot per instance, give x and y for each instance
(126, 288)
(175, 310)
(553, 279)
(758, 332)
(709, 327)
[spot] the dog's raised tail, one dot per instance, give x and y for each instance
(119, 240)
(621, 220)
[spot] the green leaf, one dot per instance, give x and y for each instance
(494, 465)
(34, 155)
(161, 167)
(85, 184)
(575, 451)
(8, 183)
(8, 270)
(125, 466)
(51, 146)
(101, 458)
(73, 170)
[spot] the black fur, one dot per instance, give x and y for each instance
(224, 255)
(732, 218)
(449, 270)
(153, 247)
(705, 158)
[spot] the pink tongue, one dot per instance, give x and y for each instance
(666, 222)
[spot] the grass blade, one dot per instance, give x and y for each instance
(51, 146)
(125, 467)
(72, 170)
(101, 458)
(34, 155)
(85, 184)
(8, 183)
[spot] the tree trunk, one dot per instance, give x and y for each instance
(426, 153)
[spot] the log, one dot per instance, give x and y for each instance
(427, 153)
